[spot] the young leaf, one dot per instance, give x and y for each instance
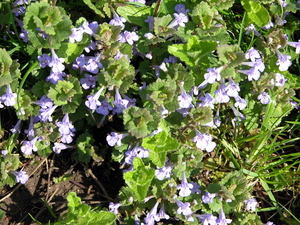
(203, 15)
(140, 122)
(256, 12)
(134, 14)
(139, 179)
(47, 25)
(193, 51)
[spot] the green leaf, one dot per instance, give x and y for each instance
(85, 149)
(201, 115)
(161, 142)
(134, 14)
(203, 14)
(213, 188)
(140, 122)
(230, 54)
(139, 179)
(161, 26)
(65, 177)
(159, 159)
(256, 12)
(118, 73)
(5, 67)
(62, 92)
(76, 100)
(47, 25)
(96, 8)
(221, 4)
(162, 93)
(193, 51)
(159, 145)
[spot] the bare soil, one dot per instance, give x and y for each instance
(27, 199)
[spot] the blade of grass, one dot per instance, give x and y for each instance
(271, 196)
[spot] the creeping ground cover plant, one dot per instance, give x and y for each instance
(195, 100)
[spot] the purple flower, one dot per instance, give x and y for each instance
(252, 29)
(24, 35)
(29, 146)
(119, 55)
(207, 219)
(94, 26)
(16, 128)
(151, 216)
(185, 100)
(119, 103)
(208, 101)
(66, 129)
(240, 103)
(184, 208)
(77, 34)
(93, 65)
(45, 113)
(268, 26)
(204, 141)
(251, 204)
(139, 1)
(283, 61)
(118, 21)
(269, 223)
(131, 101)
(239, 116)
(115, 139)
(128, 37)
(92, 101)
(253, 73)
(44, 60)
(184, 187)
(86, 28)
(280, 80)
(221, 94)
(264, 98)
(4, 152)
(257, 64)
(171, 59)
(162, 213)
(180, 8)
(44, 102)
(222, 219)
(21, 177)
(294, 104)
(149, 36)
(55, 77)
(60, 146)
(295, 45)
(252, 54)
(208, 197)
(56, 63)
(129, 156)
(104, 107)
(196, 188)
(164, 172)
(9, 98)
(232, 89)
(150, 21)
(88, 81)
(281, 20)
(141, 152)
(30, 132)
(180, 19)
(114, 207)
(213, 75)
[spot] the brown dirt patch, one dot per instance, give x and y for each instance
(26, 199)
